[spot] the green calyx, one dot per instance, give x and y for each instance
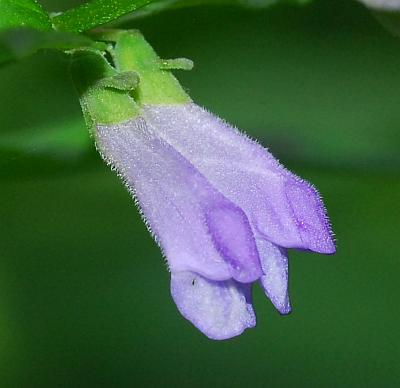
(112, 88)
(157, 84)
(104, 93)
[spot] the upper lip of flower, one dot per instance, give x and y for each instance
(281, 207)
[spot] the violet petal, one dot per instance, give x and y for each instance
(246, 173)
(233, 237)
(175, 200)
(274, 262)
(220, 310)
(310, 216)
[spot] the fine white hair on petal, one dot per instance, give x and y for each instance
(388, 5)
(221, 310)
(176, 201)
(248, 175)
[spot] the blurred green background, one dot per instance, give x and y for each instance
(84, 292)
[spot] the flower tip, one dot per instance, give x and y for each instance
(310, 217)
(326, 247)
(223, 336)
(331, 250)
(220, 310)
(285, 309)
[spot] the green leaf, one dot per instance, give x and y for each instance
(163, 5)
(23, 13)
(98, 12)
(95, 13)
(18, 44)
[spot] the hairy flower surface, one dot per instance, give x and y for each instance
(221, 207)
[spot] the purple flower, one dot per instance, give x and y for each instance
(222, 209)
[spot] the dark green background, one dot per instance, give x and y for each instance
(84, 292)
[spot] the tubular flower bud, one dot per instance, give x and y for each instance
(220, 206)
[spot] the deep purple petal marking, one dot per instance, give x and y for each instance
(233, 238)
